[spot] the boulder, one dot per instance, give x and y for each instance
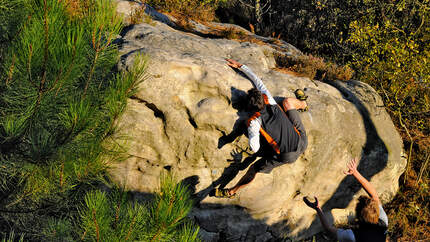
(179, 120)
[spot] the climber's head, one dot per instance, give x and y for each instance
(255, 100)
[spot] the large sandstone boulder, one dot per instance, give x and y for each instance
(187, 104)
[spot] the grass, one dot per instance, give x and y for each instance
(138, 16)
(409, 212)
(193, 9)
(313, 67)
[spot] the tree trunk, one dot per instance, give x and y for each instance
(258, 16)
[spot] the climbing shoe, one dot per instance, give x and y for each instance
(300, 95)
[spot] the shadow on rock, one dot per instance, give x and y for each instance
(374, 157)
(229, 173)
(218, 221)
(238, 98)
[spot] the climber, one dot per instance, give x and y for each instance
(372, 219)
(276, 134)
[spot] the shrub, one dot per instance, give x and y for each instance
(199, 10)
(231, 33)
(11, 237)
(316, 26)
(391, 50)
(314, 67)
(113, 217)
(138, 16)
(52, 78)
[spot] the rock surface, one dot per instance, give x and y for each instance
(176, 120)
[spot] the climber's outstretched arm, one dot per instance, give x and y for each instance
(258, 83)
(327, 226)
(352, 170)
(254, 125)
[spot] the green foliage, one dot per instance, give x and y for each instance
(11, 238)
(172, 204)
(58, 230)
(391, 50)
(112, 217)
(393, 53)
(12, 16)
(317, 27)
(60, 97)
(51, 80)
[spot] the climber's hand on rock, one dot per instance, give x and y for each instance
(352, 167)
(315, 205)
(236, 154)
(233, 63)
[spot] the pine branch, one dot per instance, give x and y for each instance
(10, 73)
(30, 54)
(96, 224)
(61, 175)
(83, 235)
(56, 80)
(118, 206)
(69, 68)
(158, 232)
(26, 211)
(91, 73)
(130, 228)
(45, 54)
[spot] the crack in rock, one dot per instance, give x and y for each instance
(191, 119)
(157, 112)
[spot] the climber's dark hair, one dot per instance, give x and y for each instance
(255, 100)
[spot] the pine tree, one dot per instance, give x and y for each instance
(112, 217)
(59, 96)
